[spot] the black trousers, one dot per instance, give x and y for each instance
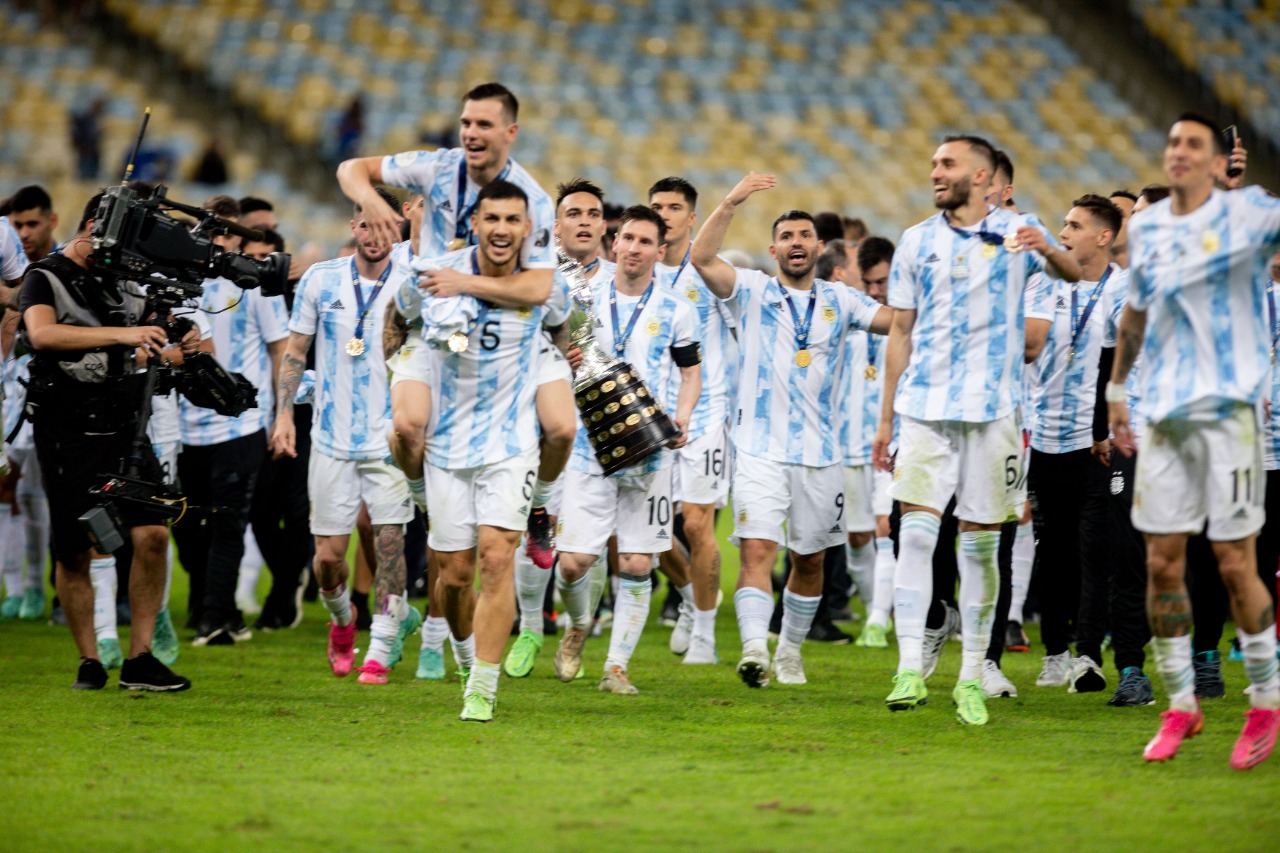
(1269, 537)
(280, 515)
(1068, 499)
(1127, 567)
(220, 479)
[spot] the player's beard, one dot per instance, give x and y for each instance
(810, 262)
(371, 254)
(956, 196)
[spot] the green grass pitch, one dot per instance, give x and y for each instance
(269, 751)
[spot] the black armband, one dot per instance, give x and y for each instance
(687, 355)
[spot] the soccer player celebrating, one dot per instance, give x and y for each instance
(962, 273)
(1197, 312)
(654, 330)
(793, 330)
(700, 479)
(483, 440)
(339, 307)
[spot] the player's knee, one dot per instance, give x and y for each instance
(150, 543)
(860, 540)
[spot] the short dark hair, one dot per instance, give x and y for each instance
(1154, 193)
(222, 205)
(1004, 164)
(673, 184)
(271, 237)
(496, 92)
(1103, 209)
(31, 197)
(829, 225)
(251, 204)
(872, 251)
(1214, 130)
(577, 185)
(90, 210)
(984, 148)
(1122, 193)
(833, 255)
(644, 213)
(390, 200)
(857, 225)
(789, 216)
(499, 190)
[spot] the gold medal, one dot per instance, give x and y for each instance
(1011, 244)
(871, 373)
(355, 347)
(988, 251)
(458, 342)
(803, 358)
(457, 243)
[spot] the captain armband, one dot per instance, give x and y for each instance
(686, 355)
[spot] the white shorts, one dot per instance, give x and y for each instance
(809, 500)
(552, 365)
(337, 487)
(594, 506)
(460, 500)
(1190, 472)
(881, 500)
(701, 472)
(415, 362)
(167, 454)
(981, 464)
(859, 498)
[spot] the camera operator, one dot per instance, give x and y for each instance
(85, 401)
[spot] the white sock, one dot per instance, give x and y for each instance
(418, 490)
(483, 679)
(686, 596)
(615, 584)
(862, 565)
(704, 624)
(913, 585)
(1173, 661)
(464, 651)
(434, 631)
(577, 601)
(13, 546)
(531, 591)
(35, 509)
(247, 582)
(797, 618)
(382, 633)
(542, 492)
(599, 575)
(1260, 665)
(979, 586)
(755, 608)
(338, 602)
(882, 599)
(168, 576)
(1024, 557)
(102, 573)
(629, 615)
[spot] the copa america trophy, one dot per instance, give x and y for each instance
(623, 420)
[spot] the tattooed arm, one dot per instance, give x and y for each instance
(292, 364)
(1128, 345)
(395, 329)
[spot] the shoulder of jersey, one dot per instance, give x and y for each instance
(521, 177)
(331, 264)
(453, 260)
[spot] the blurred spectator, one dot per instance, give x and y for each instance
(855, 230)
(212, 168)
(830, 226)
(86, 139)
(350, 129)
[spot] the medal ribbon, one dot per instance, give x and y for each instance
(873, 344)
(802, 329)
(988, 237)
(462, 226)
(1271, 312)
(1077, 325)
(361, 306)
(620, 340)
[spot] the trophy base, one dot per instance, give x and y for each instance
(623, 420)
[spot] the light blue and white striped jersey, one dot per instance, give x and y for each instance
(244, 322)
(1064, 392)
(667, 320)
(600, 270)
(1271, 445)
(1201, 278)
(719, 348)
(1133, 384)
(436, 175)
(13, 372)
(165, 427)
(13, 261)
(482, 406)
(861, 399)
(787, 413)
(402, 255)
(352, 398)
(968, 340)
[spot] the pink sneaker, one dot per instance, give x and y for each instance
(1258, 738)
(342, 651)
(540, 539)
(1177, 726)
(373, 673)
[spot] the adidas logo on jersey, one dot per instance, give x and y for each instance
(524, 510)
(932, 259)
(1240, 514)
(1117, 484)
(1061, 304)
(336, 305)
(445, 205)
(404, 504)
(662, 534)
(835, 528)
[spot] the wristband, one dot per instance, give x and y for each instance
(1116, 393)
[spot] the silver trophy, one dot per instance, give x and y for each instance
(623, 420)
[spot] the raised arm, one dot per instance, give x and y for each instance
(356, 177)
(529, 287)
(716, 272)
(896, 355)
